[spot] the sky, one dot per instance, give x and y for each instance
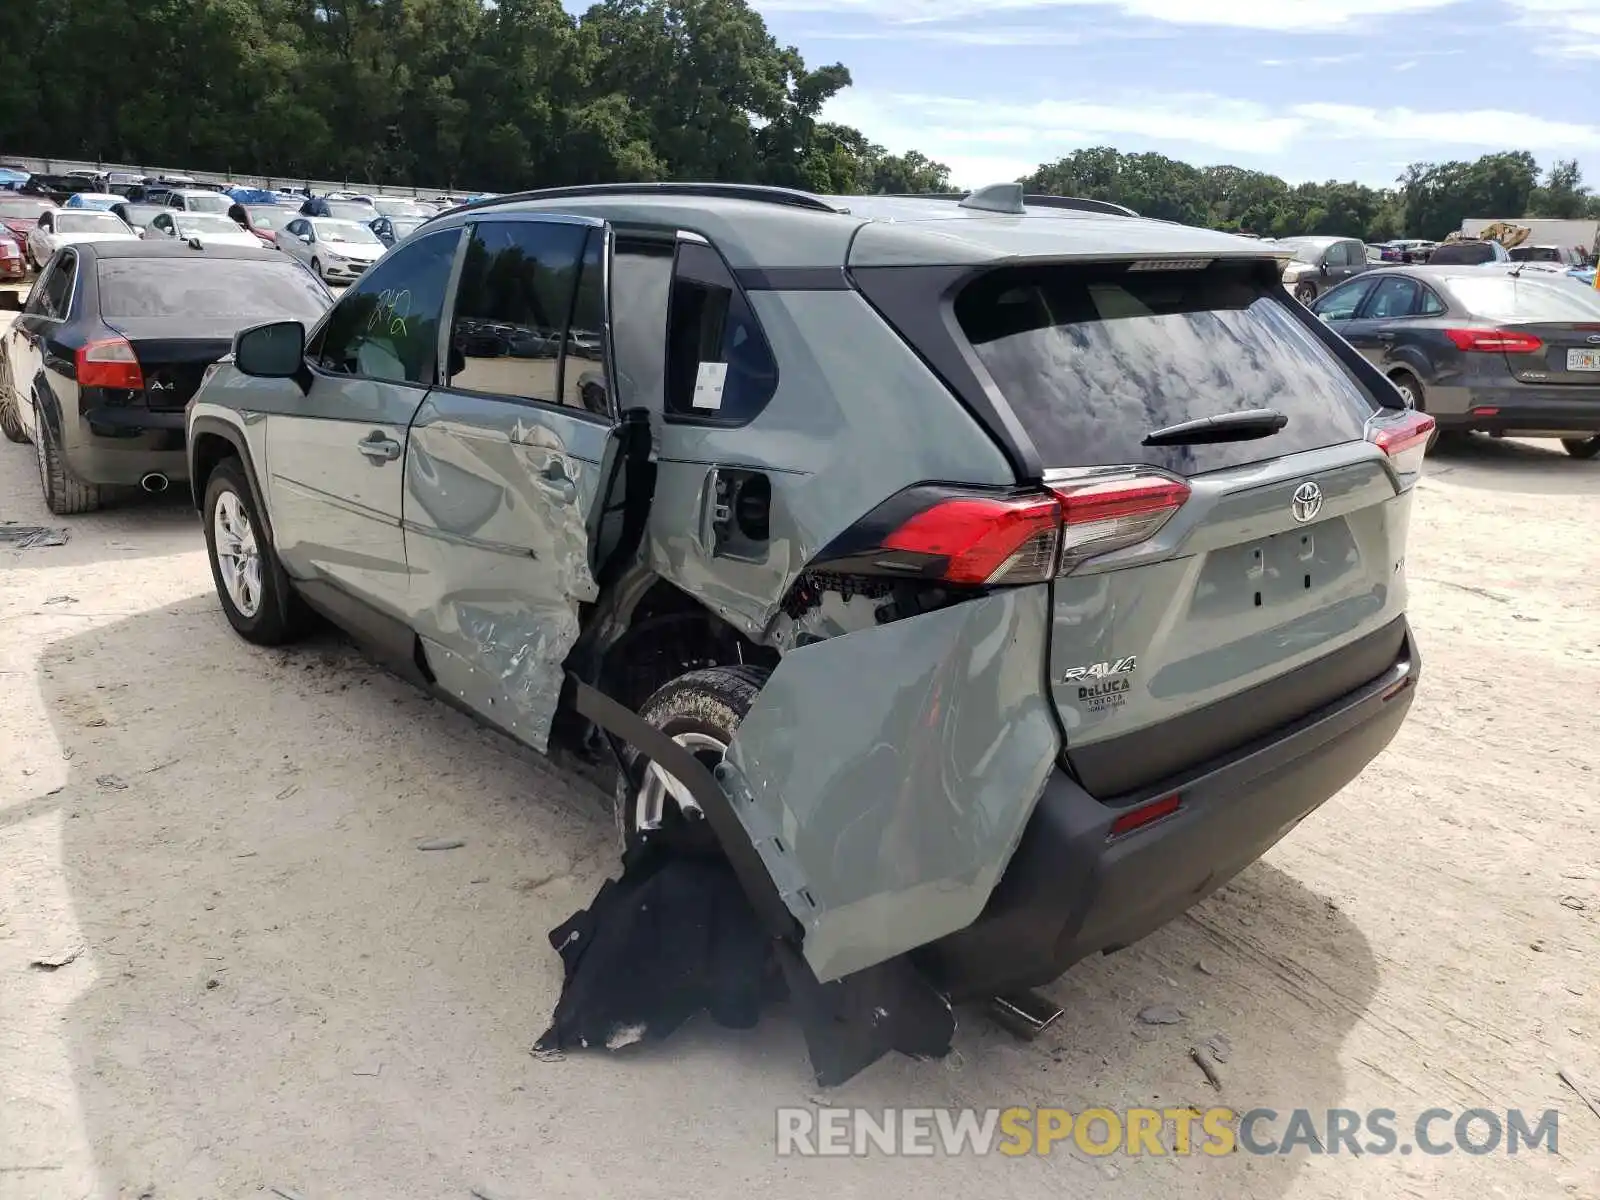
(1305, 89)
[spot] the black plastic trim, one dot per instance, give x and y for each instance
(133, 418)
(633, 729)
(386, 638)
(1126, 769)
(220, 428)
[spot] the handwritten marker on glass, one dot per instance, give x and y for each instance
(708, 383)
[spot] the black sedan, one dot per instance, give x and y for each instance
(1503, 352)
(116, 336)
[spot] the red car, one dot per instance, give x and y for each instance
(19, 214)
(12, 264)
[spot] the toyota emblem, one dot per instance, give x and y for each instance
(1307, 502)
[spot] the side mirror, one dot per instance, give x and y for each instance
(275, 351)
(304, 237)
(10, 302)
(1323, 268)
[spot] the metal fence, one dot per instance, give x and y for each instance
(61, 166)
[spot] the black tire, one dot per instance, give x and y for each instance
(1305, 292)
(1584, 448)
(711, 702)
(64, 494)
(280, 615)
(10, 422)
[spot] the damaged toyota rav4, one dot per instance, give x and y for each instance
(988, 579)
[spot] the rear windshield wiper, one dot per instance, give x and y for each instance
(1225, 427)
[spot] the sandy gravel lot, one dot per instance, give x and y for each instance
(273, 989)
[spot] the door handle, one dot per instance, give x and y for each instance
(379, 446)
(555, 478)
(1386, 337)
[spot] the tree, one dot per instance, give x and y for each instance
(1563, 193)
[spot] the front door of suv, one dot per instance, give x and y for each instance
(336, 450)
(509, 458)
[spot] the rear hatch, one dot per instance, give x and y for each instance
(1211, 594)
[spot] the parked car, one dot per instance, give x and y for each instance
(20, 214)
(13, 178)
(262, 220)
(336, 251)
(199, 200)
(1321, 262)
(1566, 256)
(1468, 252)
(13, 261)
(58, 188)
(394, 229)
(1198, 573)
(136, 215)
(99, 201)
(113, 341)
(1479, 349)
(389, 206)
(209, 228)
(343, 210)
(70, 227)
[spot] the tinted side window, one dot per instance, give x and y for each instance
(1394, 297)
(583, 371)
(719, 366)
(1341, 303)
(387, 325)
(57, 291)
(1431, 305)
(514, 305)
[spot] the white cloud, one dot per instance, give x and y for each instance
(1561, 28)
(1276, 15)
(984, 141)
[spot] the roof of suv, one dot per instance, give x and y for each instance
(774, 228)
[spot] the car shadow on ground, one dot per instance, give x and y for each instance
(1514, 466)
(281, 989)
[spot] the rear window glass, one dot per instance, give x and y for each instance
(1502, 298)
(1469, 254)
(1093, 360)
(218, 288)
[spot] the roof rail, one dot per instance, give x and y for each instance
(791, 197)
(1035, 199)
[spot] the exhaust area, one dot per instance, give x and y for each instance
(155, 483)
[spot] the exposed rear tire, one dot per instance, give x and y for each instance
(257, 597)
(1587, 447)
(64, 494)
(700, 710)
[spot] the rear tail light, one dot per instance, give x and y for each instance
(985, 540)
(1494, 341)
(1101, 514)
(1405, 441)
(109, 363)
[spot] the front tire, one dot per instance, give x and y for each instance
(1584, 448)
(1305, 292)
(64, 495)
(256, 595)
(701, 711)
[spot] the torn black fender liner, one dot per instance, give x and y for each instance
(671, 938)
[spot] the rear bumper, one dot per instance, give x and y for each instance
(1070, 890)
(1554, 412)
(119, 447)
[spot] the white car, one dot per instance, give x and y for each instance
(72, 226)
(336, 251)
(211, 229)
(199, 200)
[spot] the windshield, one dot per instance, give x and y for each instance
(1458, 254)
(1502, 298)
(89, 222)
(215, 288)
(141, 214)
(268, 216)
(351, 210)
(405, 226)
(346, 231)
(1092, 359)
(190, 224)
(207, 202)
